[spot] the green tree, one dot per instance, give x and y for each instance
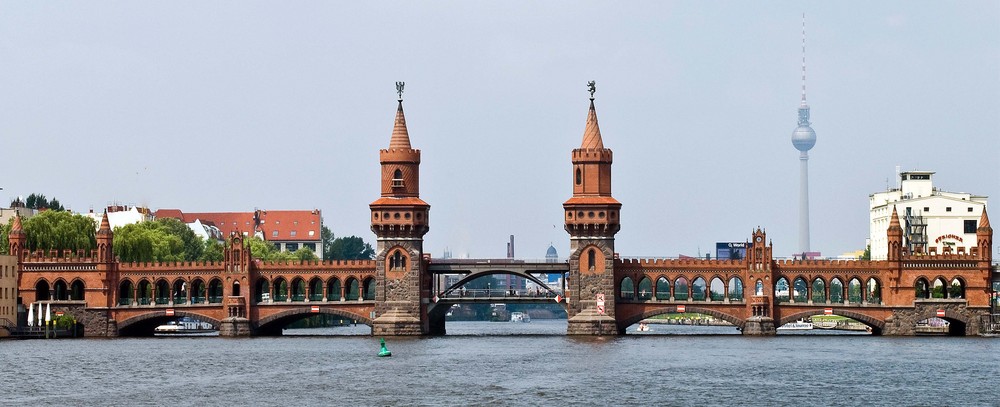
(5, 236)
(305, 254)
(60, 230)
(147, 241)
(193, 244)
(40, 202)
(868, 253)
(213, 251)
(350, 248)
(260, 249)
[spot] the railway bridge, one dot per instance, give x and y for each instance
(400, 292)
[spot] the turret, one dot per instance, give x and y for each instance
(105, 241)
(16, 239)
(894, 237)
(984, 237)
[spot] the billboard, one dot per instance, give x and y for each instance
(730, 250)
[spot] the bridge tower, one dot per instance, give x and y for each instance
(16, 239)
(107, 271)
(760, 276)
(984, 238)
(236, 286)
(399, 219)
(592, 220)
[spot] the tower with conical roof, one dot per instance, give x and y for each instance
(399, 219)
(592, 220)
(803, 138)
(984, 237)
(894, 237)
(16, 239)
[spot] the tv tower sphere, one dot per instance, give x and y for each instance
(804, 137)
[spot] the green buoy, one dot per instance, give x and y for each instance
(384, 352)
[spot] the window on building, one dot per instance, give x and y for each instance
(277, 246)
(291, 247)
(310, 246)
(970, 209)
(948, 209)
(970, 226)
(927, 209)
(292, 233)
(397, 179)
(274, 233)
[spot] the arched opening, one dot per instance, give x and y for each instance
(397, 178)
(874, 291)
(957, 289)
(145, 292)
(125, 293)
(800, 290)
(759, 287)
(60, 290)
(627, 289)
(198, 291)
(735, 289)
(180, 292)
(315, 289)
(351, 293)
(42, 290)
(662, 289)
(699, 289)
(369, 289)
(215, 291)
(397, 261)
(591, 259)
(333, 290)
(645, 289)
(236, 289)
(162, 293)
(939, 289)
(818, 291)
(76, 290)
(262, 287)
(579, 176)
(921, 289)
(681, 289)
(854, 291)
(782, 291)
(298, 289)
(280, 289)
(836, 291)
(717, 290)
(936, 326)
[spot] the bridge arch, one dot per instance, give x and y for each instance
(877, 325)
(626, 322)
(474, 275)
(272, 324)
(143, 324)
(958, 323)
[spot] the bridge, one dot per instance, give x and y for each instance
(405, 292)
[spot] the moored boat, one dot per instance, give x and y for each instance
(184, 325)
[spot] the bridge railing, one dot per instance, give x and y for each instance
(499, 293)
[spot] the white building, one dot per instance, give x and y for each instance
(121, 215)
(933, 221)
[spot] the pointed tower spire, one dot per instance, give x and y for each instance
(984, 237)
(16, 239)
(400, 137)
(894, 237)
(894, 221)
(16, 227)
(984, 221)
(105, 239)
(105, 227)
(592, 133)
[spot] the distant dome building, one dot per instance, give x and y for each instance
(551, 255)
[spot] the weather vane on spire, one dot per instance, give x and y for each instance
(399, 90)
(592, 87)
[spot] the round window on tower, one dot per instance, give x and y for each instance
(395, 215)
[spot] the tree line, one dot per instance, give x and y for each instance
(162, 240)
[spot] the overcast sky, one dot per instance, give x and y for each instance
(231, 106)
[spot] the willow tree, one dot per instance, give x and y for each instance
(60, 231)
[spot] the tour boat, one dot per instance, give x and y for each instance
(799, 325)
(185, 325)
(519, 317)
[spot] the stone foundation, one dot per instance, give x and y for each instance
(904, 320)
(235, 327)
(397, 321)
(759, 326)
(589, 322)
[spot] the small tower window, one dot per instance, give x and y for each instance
(591, 259)
(397, 179)
(397, 261)
(579, 176)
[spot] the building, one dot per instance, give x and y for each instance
(121, 215)
(8, 293)
(803, 139)
(17, 208)
(933, 221)
(286, 230)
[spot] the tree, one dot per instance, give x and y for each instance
(5, 236)
(39, 202)
(868, 253)
(60, 230)
(159, 240)
(350, 248)
(213, 251)
(260, 249)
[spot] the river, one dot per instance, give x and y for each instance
(483, 363)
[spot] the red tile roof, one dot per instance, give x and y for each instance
(274, 225)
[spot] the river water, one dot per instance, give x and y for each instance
(483, 363)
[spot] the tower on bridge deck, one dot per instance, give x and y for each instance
(592, 220)
(399, 219)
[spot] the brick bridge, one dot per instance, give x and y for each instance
(397, 294)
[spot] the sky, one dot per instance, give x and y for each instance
(236, 105)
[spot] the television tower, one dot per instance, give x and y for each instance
(803, 138)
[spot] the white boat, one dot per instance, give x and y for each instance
(184, 325)
(799, 325)
(643, 327)
(519, 317)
